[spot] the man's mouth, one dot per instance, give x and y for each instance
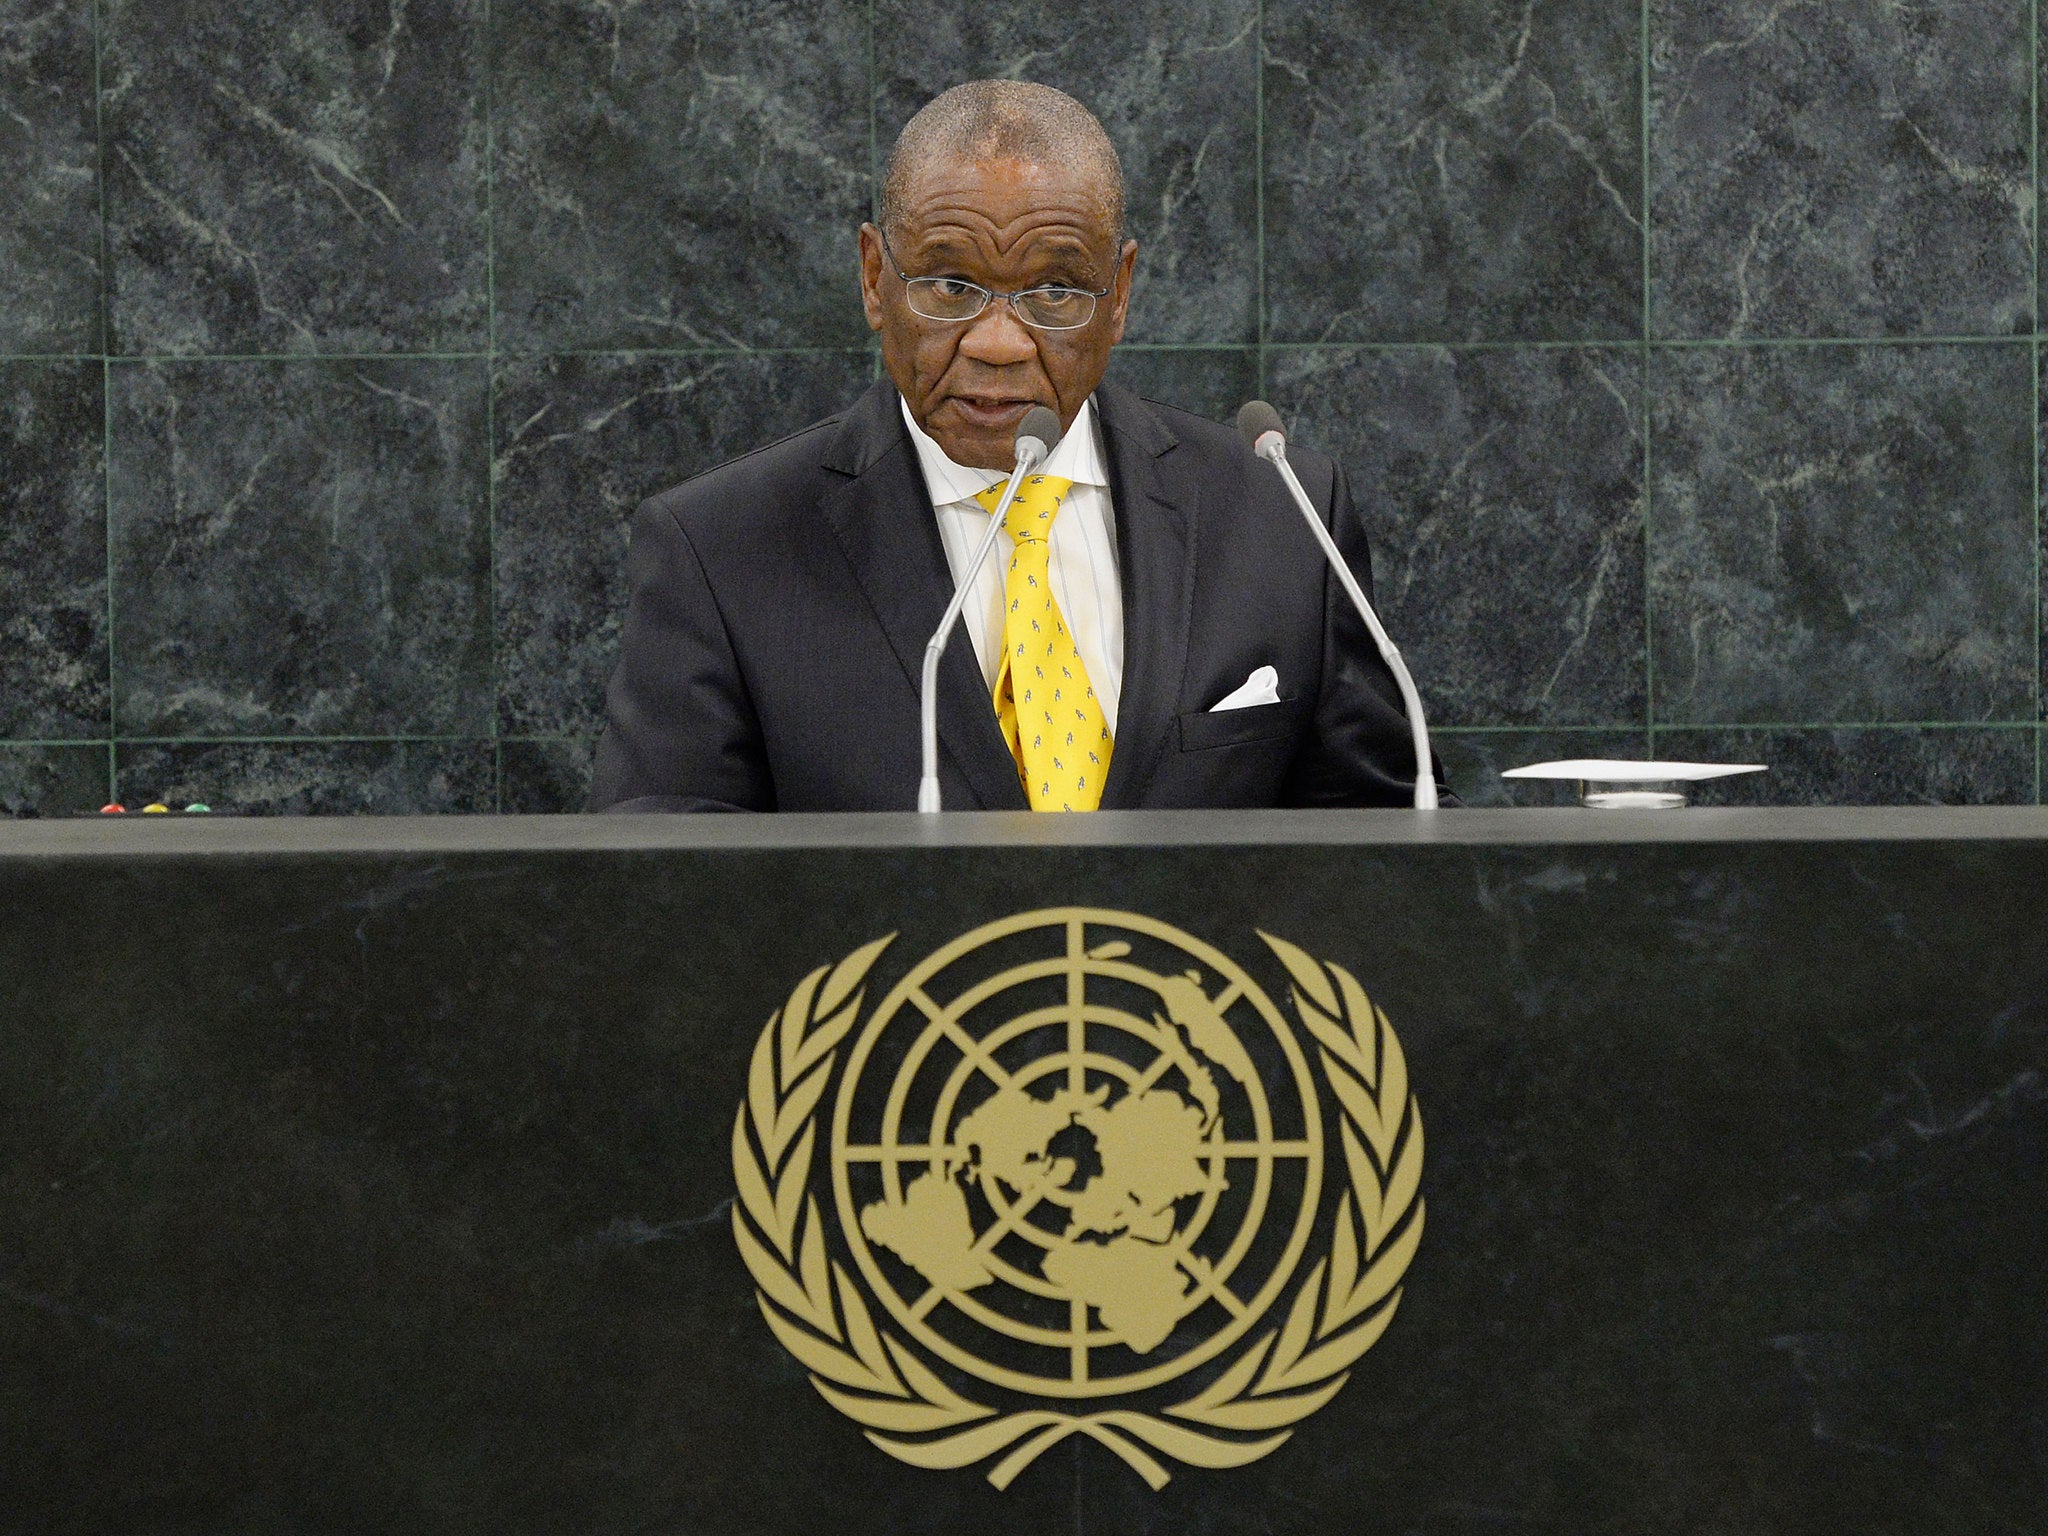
(990, 410)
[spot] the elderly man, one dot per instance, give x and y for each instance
(781, 603)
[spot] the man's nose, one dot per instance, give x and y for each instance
(997, 337)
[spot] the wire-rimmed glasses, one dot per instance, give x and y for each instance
(1052, 307)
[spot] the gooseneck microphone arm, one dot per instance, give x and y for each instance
(1037, 435)
(1262, 428)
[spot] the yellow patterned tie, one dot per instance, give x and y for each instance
(1044, 702)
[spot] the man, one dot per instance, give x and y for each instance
(781, 603)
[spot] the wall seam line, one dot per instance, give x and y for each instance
(1647, 385)
(373, 738)
(85, 743)
(106, 324)
(1611, 343)
(1259, 191)
(2034, 351)
(873, 349)
(488, 26)
(1668, 726)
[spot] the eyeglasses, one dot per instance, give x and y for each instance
(954, 299)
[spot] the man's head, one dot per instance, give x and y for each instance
(1011, 187)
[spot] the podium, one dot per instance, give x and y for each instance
(1689, 1172)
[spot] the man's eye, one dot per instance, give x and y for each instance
(952, 287)
(1060, 300)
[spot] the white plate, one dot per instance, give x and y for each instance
(1611, 770)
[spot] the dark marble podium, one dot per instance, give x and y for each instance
(376, 1176)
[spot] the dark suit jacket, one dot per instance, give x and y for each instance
(781, 604)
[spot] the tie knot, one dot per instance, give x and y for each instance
(1031, 514)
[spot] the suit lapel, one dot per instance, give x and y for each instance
(1156, 551)
(882, 517)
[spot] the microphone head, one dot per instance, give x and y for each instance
(1261, 426)
(1041, 428)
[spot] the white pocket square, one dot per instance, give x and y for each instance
(1262, 687)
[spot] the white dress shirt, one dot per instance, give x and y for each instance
(1083, 540)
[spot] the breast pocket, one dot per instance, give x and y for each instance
(1203, 730)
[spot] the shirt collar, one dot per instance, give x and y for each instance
(1077, 458)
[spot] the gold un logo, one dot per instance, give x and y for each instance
(1079, 1162)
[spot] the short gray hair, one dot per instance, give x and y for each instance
(1003, 119)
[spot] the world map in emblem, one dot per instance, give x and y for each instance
(1077, 1166)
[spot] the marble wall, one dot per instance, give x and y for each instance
(1686, 351)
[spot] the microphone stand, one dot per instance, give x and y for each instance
(1273, 449)
(1030, 454)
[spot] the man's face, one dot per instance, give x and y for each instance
(1007, 225)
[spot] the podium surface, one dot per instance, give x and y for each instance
(1509, 1172)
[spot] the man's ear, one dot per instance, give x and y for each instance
(1120, 299)
(871, 275)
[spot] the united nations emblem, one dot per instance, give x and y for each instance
(1076, 1177)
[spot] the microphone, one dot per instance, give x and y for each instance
(1037, 435)
(1261, 426)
